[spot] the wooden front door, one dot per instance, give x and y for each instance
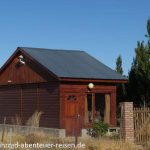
(72, 114)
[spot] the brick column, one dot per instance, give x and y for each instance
(127, 122)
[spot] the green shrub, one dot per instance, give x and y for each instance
(99, 129)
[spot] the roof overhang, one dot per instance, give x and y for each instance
(66, 79)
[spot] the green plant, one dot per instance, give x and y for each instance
(99, 129)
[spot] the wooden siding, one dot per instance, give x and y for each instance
(28, 101)
(49, 104)
(24, 100)
(82, 90)
(9, 103)
(20, 74)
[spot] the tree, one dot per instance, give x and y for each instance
(148, 30)
(139, 75)
(119, 65)
(121, 92)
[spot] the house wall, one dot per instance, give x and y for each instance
(81, 89)
(21, 74)
(31, 89)
(23, 100)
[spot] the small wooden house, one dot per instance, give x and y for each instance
(71, 88)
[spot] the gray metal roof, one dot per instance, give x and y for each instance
(72, 64)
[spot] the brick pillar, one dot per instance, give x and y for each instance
(127, 122)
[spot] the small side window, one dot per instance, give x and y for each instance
(71, 98)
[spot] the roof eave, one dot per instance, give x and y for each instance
(69, 79)
(8, 61)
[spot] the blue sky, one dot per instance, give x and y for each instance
(103, 28)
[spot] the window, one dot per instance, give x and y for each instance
(71, 98)
(97, 108)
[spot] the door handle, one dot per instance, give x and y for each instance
(78, 115)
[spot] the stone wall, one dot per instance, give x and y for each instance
(27, 130)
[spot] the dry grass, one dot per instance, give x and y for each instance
(17, 120)
(33, 136)
(91, 144)
(34, 120)
(109, 144)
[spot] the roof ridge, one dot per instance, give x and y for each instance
(52, 49)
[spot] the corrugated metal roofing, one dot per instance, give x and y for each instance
(72, 64)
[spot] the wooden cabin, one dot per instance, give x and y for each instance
(70, 87)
